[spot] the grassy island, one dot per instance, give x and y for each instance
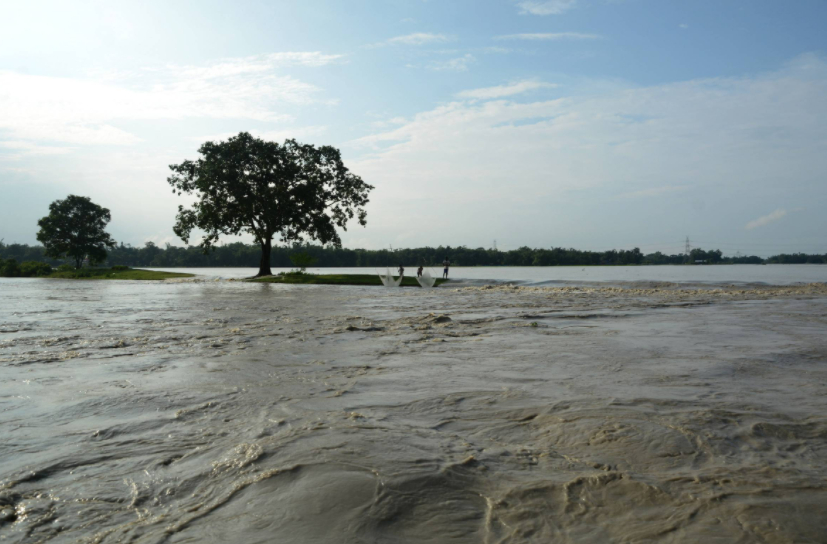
(116, 274)
(9, 268)
(335, 279)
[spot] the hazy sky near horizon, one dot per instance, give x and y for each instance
(580, 123)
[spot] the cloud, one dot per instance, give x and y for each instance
(395, 121)
(417, 38)
(683, 26)
(504, 90)
(766, 219)
(547, 36)
(298, 133)
(531, 168)
(459, 64)
(87, 111)
(548, 7)
(21, 150)
(254, 64)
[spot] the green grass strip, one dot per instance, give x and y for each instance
(109, 274)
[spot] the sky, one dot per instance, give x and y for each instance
(593, 124)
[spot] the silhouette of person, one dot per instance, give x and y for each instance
(419, 272)
(445, 264)
(401, 270)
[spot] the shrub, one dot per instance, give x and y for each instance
(9, 268)
(302, 260)
(120, 268)
(65, 268)
(294, 273)
(32, 269)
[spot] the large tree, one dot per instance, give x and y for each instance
(249, 185)
(74, 228)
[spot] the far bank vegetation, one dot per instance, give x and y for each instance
(245, 255)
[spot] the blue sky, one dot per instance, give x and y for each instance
(593, 124)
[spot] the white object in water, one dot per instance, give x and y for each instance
(388, 279)
(426, 281)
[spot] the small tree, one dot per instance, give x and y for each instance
(74, 228)
(248, 185)
(302, 260)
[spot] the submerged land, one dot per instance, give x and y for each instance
(290, 278)
(336, 279)
(200, 410)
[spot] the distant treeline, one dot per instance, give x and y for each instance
(245, 255)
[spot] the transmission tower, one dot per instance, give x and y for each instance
(687, 249)
(495, 244)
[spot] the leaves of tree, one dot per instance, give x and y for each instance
(75, 228)
(249, 185)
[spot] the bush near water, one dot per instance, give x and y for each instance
(28, 269)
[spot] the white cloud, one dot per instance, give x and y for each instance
(547, 7)
(459, 64)
(417, 38)
(248, 65)
(87, 111)
(486, 167)
(683, 26)
(766, 219)
(550, 36)
(29, 149)
(298, 133)
(504, 90)
(395, 121)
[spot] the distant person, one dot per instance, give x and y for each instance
(419, 271)
(401, 270)
(445, 264)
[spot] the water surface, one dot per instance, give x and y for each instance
(226, 411)
(779, 274)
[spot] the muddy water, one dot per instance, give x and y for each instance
(223, 411)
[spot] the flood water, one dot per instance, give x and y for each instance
(540, 275)
(225, 411)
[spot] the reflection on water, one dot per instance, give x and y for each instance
(224, 411)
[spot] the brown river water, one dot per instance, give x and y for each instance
(222, 411)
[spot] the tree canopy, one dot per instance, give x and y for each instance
(249, 185)
(74, 228)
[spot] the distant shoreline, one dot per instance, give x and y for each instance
(239, 255)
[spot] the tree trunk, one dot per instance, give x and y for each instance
(264, 265)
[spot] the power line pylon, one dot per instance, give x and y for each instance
(687, 249)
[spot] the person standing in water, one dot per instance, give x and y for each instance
(445, 264)
(419, 272)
